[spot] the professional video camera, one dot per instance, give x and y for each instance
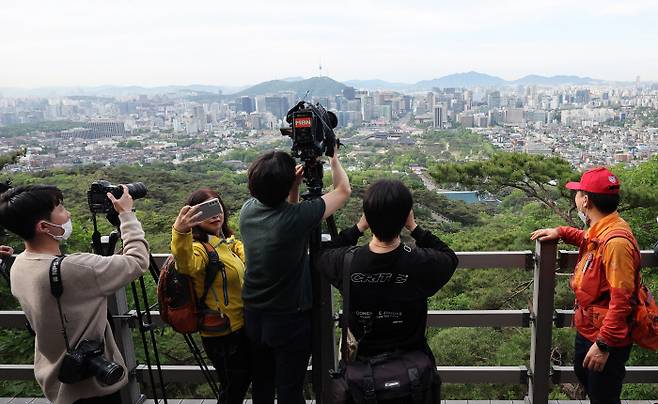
(86, 361)
(312, 133)
(97, 194)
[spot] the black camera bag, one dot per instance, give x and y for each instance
(392, 377)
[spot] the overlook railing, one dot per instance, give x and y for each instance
(541, 318)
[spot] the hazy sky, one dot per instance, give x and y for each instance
(138, 42)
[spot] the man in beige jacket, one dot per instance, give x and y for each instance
(36, 213)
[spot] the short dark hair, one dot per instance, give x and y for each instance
(605, 203)
(271, 176)
(386, 205)
(22, 207)
(202, 195)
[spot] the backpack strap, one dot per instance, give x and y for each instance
(347, 272)
(214, 266)
(621, 233)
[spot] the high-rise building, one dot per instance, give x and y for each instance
(514, 116)
(260, 103)
(349, 93)
(430, 101)
(407, 103)
(467, 120)
(437, 122)
(367, 108)
(247, 104)
(493, 100)
(277, 106)
(582, 96)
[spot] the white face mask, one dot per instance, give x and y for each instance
(67, 227)
(582, 217)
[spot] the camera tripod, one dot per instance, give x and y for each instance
(323, 337)
(145, 323)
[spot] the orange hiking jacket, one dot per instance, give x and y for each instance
(604, 280)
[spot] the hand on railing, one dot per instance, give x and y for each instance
(545, 234)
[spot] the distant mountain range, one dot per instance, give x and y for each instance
(470, 80)
(378, 84)
(317, 86)
(114, 91)
(324, 86)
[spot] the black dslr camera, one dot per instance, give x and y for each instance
(312, 133)
(97, 194)
(86, 361)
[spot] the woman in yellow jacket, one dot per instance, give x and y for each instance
(227, 350)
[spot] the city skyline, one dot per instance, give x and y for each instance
(91, 43)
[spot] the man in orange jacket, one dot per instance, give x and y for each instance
(603, 281)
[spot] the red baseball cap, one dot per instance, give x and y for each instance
(597, 180)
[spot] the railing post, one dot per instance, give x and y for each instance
(542, 321)
(118, 304)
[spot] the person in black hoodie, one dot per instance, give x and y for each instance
(390, 281)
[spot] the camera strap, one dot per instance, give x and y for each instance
(57, 288)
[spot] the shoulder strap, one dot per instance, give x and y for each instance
(57, 289)
(622, 233)
(215, 266)
(347, 272)
(619, 233)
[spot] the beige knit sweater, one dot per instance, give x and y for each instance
(87, 279)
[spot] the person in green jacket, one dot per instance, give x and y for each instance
(227, 350)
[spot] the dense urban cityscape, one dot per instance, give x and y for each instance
(602, 123)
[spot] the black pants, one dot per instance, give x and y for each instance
(114, 398)
(601, 387)
(280, 349)
(230, 356)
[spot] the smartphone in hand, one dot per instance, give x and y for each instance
(209, 208)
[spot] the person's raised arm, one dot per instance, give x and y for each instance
(336, 198)
(293, 195)
(187, 259)
(114, 272)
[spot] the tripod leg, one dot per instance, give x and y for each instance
(196, 352)
(331, 225)
(144, 343)
(149, 324)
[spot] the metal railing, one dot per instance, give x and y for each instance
(541, 318)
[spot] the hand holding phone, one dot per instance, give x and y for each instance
(208, 209)
(190, 216)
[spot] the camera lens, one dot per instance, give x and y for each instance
(137, 190)
(106, 372)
